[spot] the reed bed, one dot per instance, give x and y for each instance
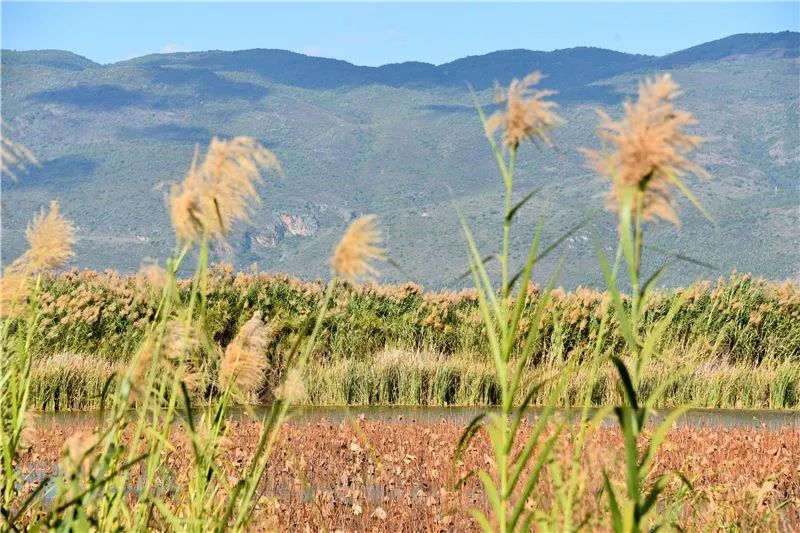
(738, 319)
(733, 343)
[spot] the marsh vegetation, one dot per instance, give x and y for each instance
(166, 360)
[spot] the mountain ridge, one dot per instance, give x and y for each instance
(743, 43)
(392, 140)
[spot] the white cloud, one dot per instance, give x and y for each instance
(311, 50)
(171, 48)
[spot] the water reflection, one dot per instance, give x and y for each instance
(712, 418)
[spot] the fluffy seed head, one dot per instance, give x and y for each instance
(358, 247)
(244, 363)
(179, 355)
(144, 360)
(180, 342)
(193, 377)
(14, 157)
(221, 190)
(151, 278)
(14, 288)
(527, 114)
(76, 452)
(50, 239)
(293, 390)
(28, 436)
(649, 149)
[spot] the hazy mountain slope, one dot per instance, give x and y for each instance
(391, 140)
(783, 44)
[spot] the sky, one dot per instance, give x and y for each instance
(379, 33)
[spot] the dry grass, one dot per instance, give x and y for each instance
(244, 364)
(397, 475)
(50, 239)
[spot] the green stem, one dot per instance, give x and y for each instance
(504, 259)
(636, 303)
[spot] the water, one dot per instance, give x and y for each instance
(701, 418)
(698, 418)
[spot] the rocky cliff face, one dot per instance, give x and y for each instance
(305, 226)
(285, 225)
(267, 237)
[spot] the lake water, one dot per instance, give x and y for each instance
(715, 418)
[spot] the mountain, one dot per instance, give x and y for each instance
(58, 59)
(783, 44)
(394, 140)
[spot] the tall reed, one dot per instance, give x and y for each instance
(118, 476)
(50, 237)
(517, 466)
(649, 157)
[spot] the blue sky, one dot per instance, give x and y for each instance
(379, 33)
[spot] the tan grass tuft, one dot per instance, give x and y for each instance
(14, 289)
(649, 150)
(151, 277)
(77, 451)
(244, 363)
(180, 353)
(221, 190)
(527, 114)
(193, 377)
(293, 389)
(142, 366)
(182, 348)
(180, 342)
(50, 238)
(358, 247)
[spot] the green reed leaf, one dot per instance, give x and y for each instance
(491, 492)
(521, 203)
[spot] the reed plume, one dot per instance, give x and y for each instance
(293, 389)
(193, 377)
(144, 360)
(182, 348)
(244, 363)
(221, 190)
(180, 342)
(14, 157)
(179, 354)
(14, 289)
(527, 114)
(649, 150)
(151, 277)
(359, 246)
(50, 238)
(78, 452)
